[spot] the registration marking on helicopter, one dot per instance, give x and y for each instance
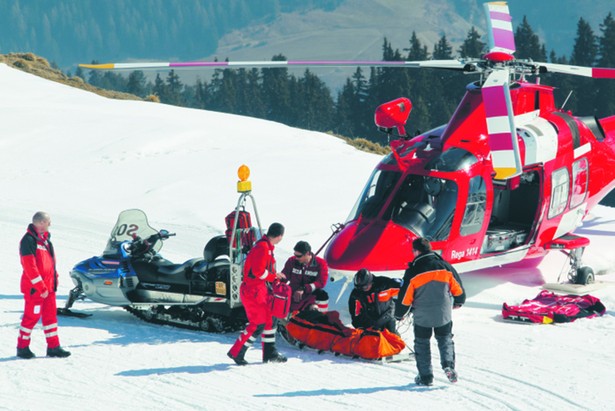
(458, 255)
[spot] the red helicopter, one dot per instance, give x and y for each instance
(508, 178)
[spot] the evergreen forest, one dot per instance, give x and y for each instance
(305, 101)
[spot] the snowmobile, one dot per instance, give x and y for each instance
(201, 293)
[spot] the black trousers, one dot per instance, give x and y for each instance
(422, 350)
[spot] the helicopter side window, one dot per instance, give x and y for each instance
(475, 207)
(559, 192)
(580, 178)
(375, 194)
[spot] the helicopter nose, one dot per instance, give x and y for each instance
(377, 246)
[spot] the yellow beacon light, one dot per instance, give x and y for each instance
(243, 185)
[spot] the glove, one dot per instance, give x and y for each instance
(297, 295)
(42, 293)
(456, 306)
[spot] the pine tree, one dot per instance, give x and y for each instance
(606, 42)
(389, 83)
(344, 112)
(528, 44)
(442, 50)
(201, 94)
(314, 104)
(160, 89)
(94, 76)
(606, 58)
(252, 94)
(584, 53)
(227, 93)
(276, 91)
(136, 83)
(585, 47)
(472, 46)
(174, 88)
(416, 52)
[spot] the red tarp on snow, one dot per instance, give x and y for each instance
(549, 307)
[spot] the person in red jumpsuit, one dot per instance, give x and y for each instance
(256, 296)
(39, 283)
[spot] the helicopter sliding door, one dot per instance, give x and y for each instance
(514, 214)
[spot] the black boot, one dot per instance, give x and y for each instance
(270, 354)
(57, 352)
(25, 353)
(239, 359)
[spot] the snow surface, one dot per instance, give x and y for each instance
(84, 158)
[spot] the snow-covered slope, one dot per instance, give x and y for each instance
(84, 158)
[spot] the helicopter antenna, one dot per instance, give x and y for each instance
(566, 101)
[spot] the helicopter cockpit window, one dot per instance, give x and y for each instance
(425, 205)
(452, 159)
(375, 193)
(475, 207)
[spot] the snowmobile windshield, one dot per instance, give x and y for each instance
(130, 223)
(425, 205)
(375, 194)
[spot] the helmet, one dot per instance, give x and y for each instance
(363, 277)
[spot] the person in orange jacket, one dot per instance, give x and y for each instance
(39, 283)
(256, 296)
(431, 288)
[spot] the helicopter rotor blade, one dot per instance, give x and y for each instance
(500, 31)
(593, 72)
(501, 128)
(441, 64)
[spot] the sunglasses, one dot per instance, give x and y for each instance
(299, 255)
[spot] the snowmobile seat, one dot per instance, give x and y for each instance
(176, 269)
(163, 272)
(216, 247)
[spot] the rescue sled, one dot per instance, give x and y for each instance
(324, 332)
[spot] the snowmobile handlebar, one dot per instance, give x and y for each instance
(140, 247)
(163, 235)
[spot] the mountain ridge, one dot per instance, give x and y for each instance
(67, 32)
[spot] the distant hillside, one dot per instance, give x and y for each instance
(68, 32)
(355, 29)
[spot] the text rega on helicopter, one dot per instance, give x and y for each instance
(509, 177)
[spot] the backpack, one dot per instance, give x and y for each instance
(280, 302)
(245, 235)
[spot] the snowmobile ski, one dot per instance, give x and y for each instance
(69, 313)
